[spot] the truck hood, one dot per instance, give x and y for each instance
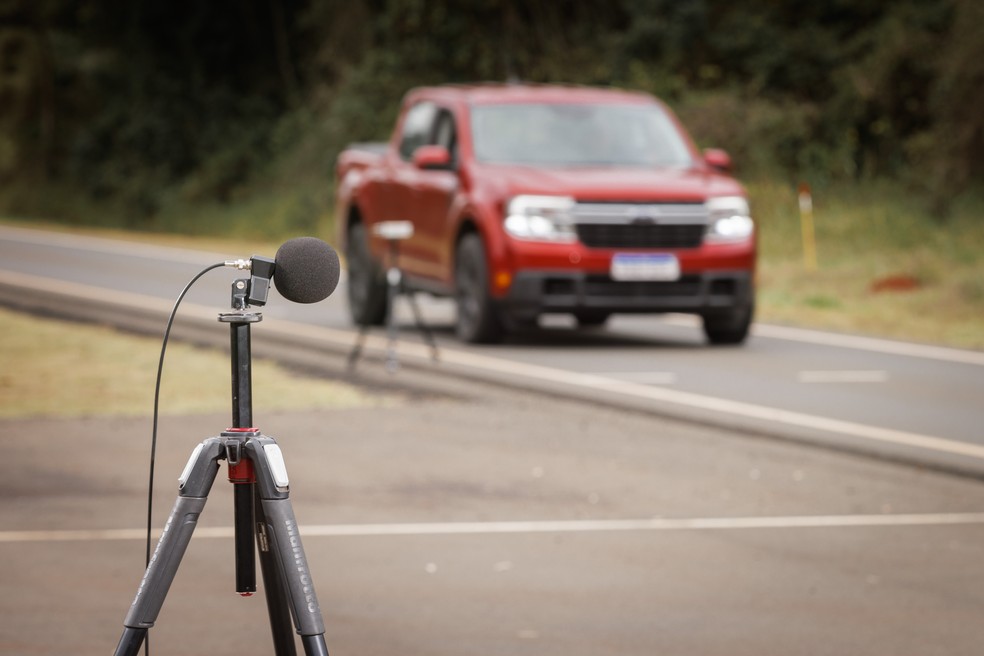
(612, 184)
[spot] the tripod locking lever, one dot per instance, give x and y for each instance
(234, 452)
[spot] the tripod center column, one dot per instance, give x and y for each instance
(242, 372)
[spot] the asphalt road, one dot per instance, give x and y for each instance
(917, 402)
(476, 520)
(470, 518)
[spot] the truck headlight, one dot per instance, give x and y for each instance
(541, 218)
(730, 219)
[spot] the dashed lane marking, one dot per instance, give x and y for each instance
(643, 377)
(842, 376)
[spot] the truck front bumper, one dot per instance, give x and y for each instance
(537, 292)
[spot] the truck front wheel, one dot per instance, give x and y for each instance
(366, 283)
(478, 321)
(730, 327)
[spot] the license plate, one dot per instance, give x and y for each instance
(645, 266)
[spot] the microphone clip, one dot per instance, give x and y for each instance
(255, 290)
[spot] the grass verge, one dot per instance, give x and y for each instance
(59, 369)
(885, 267)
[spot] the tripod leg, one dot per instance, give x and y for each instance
(356, 352)
(286, 549)
(197, 478)
(294, 584)
(393, 278)
(160, 573)
(422, 326)
(278, 604)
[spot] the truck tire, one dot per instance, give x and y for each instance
(366, 282)
(591, 318)
(478, 322)
(730, 327)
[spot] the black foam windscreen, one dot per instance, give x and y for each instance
(306, 270)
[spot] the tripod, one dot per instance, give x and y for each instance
(394, 232)
(261, 500)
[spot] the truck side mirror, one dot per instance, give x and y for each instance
(718, 159)
(432, 158)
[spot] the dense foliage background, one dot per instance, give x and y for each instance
(147, 109)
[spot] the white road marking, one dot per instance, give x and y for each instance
(109, 246)
(874, 344)
(120, 247)
(644, 377)
(526, 527)
(892, 347)
(103, 245)
(712, 404)
(842, 376)
(589, 382)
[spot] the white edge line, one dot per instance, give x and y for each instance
(421, 352)
(101, 244)
(525, 527)
(142, 249)
(739, 408)
(926, 351)
(860, 342)
(109, 246)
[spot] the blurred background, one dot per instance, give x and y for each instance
(225, 117)
(198, 123)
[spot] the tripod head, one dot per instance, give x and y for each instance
(255, 289)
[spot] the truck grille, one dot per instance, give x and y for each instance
(631, 235)
(640, 225)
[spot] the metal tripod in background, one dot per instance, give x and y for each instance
(394, 232)
(262, 510)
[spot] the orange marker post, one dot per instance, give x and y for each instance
(806, 227)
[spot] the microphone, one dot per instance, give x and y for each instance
(305, 270)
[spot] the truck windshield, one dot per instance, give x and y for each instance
(577, 135)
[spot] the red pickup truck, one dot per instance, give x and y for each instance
(533, 199)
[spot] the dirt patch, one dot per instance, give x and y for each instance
(895, 283)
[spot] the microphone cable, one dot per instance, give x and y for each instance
(157, 398)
